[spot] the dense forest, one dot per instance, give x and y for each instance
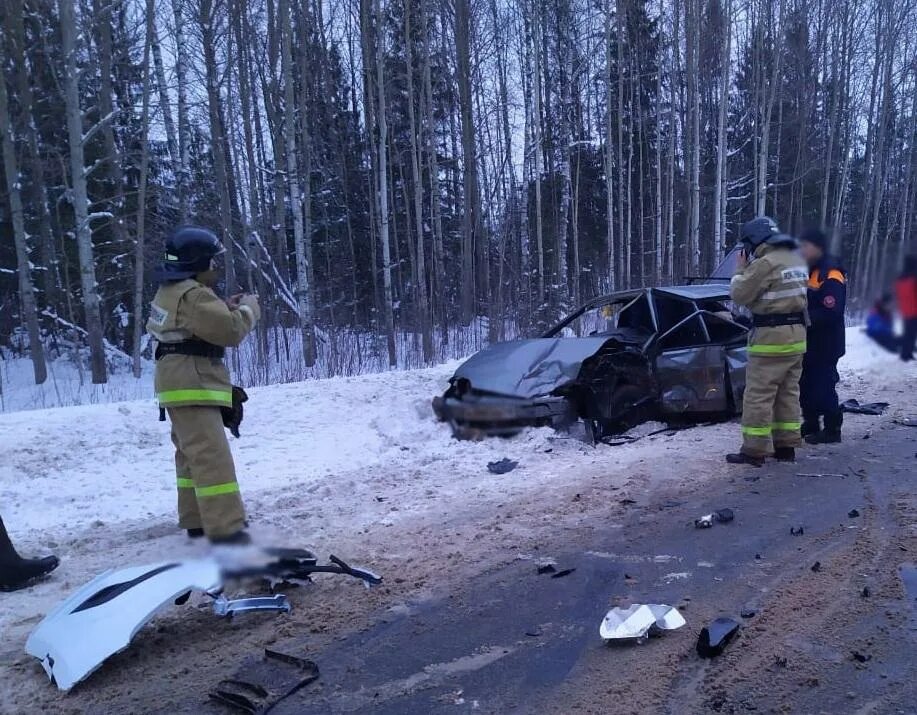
(402, 180)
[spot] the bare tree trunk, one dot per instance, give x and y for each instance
(439, 270)
(114, 203)
(609, 156)
(140, 241)
(165, 104)
(623, 237)
(388, 303)
(692, 32)
(80, 199)
(768, 111)
(307, 328)
(305, 131)
(538, 149)
(29, 310)
(184, 121)
(565, 72)
(721, 139)
(38, 196)
(658, 255)
(471, 220)
(422, 295)
(675, 70)
(207, 19)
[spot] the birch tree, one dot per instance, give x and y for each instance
(78, 194)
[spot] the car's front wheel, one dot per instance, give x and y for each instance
(630, 407)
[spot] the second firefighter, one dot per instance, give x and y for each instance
(770, 281)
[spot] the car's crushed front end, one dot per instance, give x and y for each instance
(508, 386)
(474, 415)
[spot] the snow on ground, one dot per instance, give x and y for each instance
(356, 466)
(72, 467)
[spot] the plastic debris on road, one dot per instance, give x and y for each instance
(723, 516)
(639, 621)
(715, 637)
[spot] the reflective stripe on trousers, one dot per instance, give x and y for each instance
(171, 397)
(770, 408)
(212, 490)
(787, 349)
(208, 493)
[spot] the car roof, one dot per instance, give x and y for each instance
(701, 291)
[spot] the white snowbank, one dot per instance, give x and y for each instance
(113, 463)
(314, 442)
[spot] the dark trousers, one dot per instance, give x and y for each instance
(818, 394)
(909, 339)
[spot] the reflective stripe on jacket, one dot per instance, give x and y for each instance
(186, 309)
(774, 282)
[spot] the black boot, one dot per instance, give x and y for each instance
(742, 458)
(17, 572)
(785, 454)
(811, 426)
(195, 533)
(832, 432)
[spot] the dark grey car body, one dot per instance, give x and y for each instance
(673, 354)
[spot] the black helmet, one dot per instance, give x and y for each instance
(759, 230)
(189, 251)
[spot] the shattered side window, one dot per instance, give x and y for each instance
(722, 328)
(689, 334)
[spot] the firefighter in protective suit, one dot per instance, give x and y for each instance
(193, 326)
(770, 281)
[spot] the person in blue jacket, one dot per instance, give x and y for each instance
(825, 341)
(880, 324)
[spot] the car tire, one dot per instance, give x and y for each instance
(629, 409)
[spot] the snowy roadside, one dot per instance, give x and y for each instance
(357, 465)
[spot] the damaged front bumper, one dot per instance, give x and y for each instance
(102, 617)
(475, 416)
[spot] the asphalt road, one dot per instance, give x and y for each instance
(512, 640)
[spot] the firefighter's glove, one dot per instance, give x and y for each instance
(250, 302)
(232, 416)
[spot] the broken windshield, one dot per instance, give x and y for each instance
(608, 317)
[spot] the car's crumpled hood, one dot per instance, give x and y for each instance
(528, 368)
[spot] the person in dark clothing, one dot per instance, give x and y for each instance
(17, 572)
(906, 293)
(880, 324)
(825, 341)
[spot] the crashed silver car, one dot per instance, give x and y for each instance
(671, 354)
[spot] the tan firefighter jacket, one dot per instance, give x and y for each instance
(773, 282)
(186, 309)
